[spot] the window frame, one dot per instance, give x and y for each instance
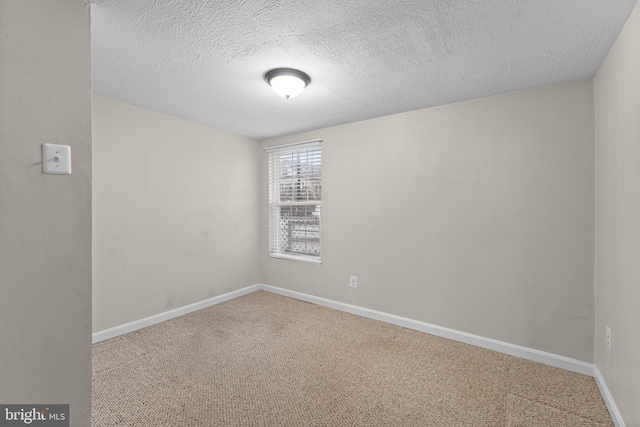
(275, 203)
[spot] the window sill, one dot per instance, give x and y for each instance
(296, 258)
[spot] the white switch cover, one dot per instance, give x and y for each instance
(56, 159)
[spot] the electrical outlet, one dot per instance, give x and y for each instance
(608, 337)
(353, 281)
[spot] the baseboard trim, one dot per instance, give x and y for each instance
(550, 359)
(171, 314)
(608, 399)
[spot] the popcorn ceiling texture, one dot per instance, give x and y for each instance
(205, 61)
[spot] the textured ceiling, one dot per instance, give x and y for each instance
(205, 60)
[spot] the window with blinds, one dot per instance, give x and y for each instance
(295, 184)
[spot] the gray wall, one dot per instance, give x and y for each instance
(45, 220)
(618, 219)
(176, 215)
(476, 216)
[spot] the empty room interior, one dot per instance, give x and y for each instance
(439, 225)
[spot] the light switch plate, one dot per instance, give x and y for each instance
(56, 159)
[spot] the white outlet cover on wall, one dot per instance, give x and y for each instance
(353, 281)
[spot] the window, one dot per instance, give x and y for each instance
(295, 201)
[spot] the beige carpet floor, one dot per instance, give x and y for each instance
(267, 360)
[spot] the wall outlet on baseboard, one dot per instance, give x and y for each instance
(608, 336)
(353, 281)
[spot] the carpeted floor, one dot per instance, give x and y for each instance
(267, 360)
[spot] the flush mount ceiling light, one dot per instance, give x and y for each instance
(287, 82)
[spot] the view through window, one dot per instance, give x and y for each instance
(295, 200)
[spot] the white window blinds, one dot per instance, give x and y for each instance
(295, 183)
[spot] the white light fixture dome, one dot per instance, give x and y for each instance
(287, 82)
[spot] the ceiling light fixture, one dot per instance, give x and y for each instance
(287, 82)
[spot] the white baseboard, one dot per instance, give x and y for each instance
(608, 399)
(550, 359)
(167, 315)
